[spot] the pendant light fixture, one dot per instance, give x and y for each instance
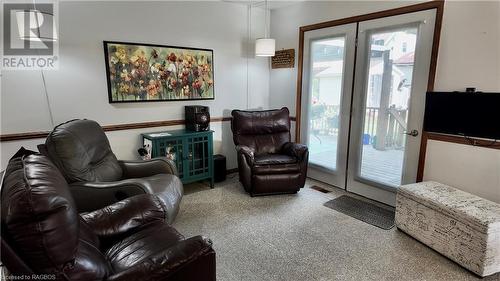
(265, 47)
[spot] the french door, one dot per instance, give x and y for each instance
(328, 82)
(364, 85)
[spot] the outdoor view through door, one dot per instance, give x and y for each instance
(391, 60)
(327, 66)
(362, 88)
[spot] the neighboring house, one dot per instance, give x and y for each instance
(328, 69)
(330, 83)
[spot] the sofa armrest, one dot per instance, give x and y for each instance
(90, 196)
(146, 168)
(248, 152)
(168, 263)
(125, 216)
(296, 150)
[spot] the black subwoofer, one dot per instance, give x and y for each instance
(219, 168)
(197, 118)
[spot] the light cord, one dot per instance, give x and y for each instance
(266, 32)
(46, 93)
(249, 35)
(47, 98)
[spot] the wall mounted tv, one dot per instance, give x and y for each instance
(469, 114)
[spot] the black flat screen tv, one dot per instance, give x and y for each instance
(466, 114)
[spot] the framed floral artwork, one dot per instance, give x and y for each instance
(144, 73)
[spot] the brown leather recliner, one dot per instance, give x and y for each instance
(268, 162)
(43, 234)
(81, 151)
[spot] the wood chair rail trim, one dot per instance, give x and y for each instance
(110, 128)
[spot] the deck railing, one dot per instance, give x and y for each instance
(326, 122)
(395, 127)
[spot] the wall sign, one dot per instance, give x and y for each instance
(283, 59)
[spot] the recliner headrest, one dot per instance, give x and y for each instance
(81, 150)
(260, 122)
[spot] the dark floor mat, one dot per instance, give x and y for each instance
(363, 211)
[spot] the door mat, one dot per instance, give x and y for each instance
(363, 211)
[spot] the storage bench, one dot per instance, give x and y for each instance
(457, 224)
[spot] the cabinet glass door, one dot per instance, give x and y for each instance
(173, 150)
(197, 157)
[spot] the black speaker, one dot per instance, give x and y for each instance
(197, 118)
(219, 168)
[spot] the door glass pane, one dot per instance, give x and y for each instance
(388, 89)
(326, 76)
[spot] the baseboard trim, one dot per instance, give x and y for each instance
(230, 171)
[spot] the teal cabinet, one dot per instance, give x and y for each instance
(191, 151)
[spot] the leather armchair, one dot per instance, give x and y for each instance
(43, 234)
(81, 151)
(268, 162)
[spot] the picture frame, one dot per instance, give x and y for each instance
(139, 72)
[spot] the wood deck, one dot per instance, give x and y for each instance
(384, 166)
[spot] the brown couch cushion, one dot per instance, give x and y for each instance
(139, 246)
(37, 210)
(274, 159)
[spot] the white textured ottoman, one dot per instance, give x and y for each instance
(457, 224)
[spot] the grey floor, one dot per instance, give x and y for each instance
(294, 237)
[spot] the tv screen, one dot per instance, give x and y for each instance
(466, 114)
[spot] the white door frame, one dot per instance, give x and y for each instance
(335, 177)
(424, 21)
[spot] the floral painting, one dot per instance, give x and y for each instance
(140, 72)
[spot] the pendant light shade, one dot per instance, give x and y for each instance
(42, 26)
(265, 47)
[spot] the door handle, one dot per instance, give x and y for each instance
(412, 133)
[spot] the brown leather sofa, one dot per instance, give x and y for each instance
(268, 162)
(81, 151)
(43, 234)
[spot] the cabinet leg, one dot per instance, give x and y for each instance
(212, 183)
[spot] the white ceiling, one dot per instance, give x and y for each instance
(272, 4)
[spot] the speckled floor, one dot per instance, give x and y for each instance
(294, 237)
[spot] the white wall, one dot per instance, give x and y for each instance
(473, 169)
(469, 56)
(78, 89)
(469, 49)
